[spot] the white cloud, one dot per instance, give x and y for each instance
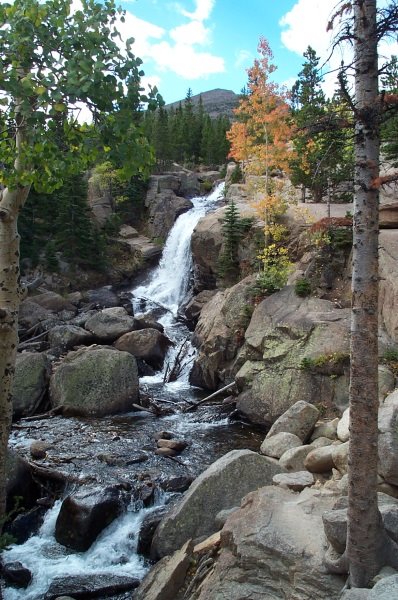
(300, 32)
(178, 50)
(186, 61)
(243, 57)
(190, 33)
(202, 12)
(302, 28)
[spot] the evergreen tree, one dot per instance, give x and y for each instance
(323, 155)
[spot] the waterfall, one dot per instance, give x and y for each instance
(168, 284)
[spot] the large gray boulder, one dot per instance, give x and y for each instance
(220, 333)
(147, 344)
(95, 381)
(66, 337)
(295, 349)
(273, 548)
(109, 324)
(299, 419)
(32, 373)
(221, 486)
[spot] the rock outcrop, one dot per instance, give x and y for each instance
(295, 349)
(221, 486)
(220, 333)
(164, 205)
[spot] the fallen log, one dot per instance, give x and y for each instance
(213, 395)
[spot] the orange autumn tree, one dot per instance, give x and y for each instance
(260, 142)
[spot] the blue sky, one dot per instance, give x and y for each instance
(207, 44)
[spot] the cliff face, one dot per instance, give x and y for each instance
(215, 102)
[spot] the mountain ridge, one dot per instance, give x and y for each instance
(216, 102)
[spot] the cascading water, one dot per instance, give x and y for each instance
(114, 552)
(169, 283)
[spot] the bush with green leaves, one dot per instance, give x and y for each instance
(302, 287)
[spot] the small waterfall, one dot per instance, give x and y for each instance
(168, 285)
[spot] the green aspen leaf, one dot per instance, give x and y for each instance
(60, 107)
(40, 90)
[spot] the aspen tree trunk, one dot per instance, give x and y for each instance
(11, 202)
(364, 549)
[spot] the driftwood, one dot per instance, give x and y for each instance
(172, 373)
(54, 412)
(47, 473)
(213, 395)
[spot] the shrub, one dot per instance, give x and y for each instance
(302, 287)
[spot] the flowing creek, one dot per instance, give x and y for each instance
(120, 449)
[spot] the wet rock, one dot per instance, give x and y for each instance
(219, 487)
(320, 460)
(194, 307)
(38, 450)
(26, 524)
(95, 381)
(299, 419)
(147, 492)
(294, 481)
(220, 333)
(90, 586)
(148, 527)
(20, 483)
(32, 373)
(166, 452)
(65, 337)
(167, 576)
(109, 324)
(279, 443)
(16, 575)
(179, 484)
(147, 344)
(85, 514)
(163, 435)
(177, 445)
(145, 322)
(164, 207)
(103, 297)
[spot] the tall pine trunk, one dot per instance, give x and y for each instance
(364, 540)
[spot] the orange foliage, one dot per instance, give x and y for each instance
(328, 222)
(262, 131)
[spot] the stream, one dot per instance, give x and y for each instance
(120, 449)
